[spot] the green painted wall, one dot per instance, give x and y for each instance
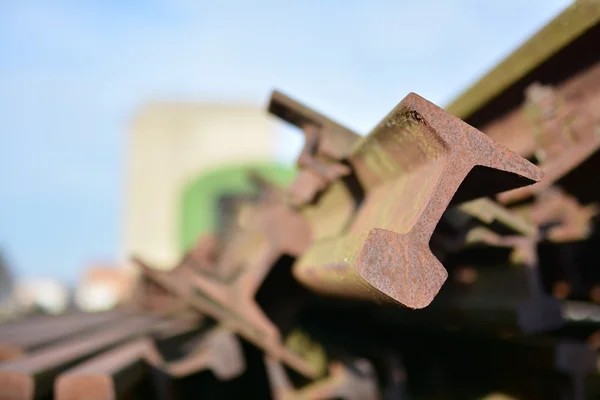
(199, 197)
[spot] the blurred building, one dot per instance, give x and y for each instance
(45, 295)
(181, 156)
(103, 287)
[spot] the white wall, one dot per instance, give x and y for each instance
(169, 144)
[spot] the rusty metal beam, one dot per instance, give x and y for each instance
(32, 376)
(232, 304)
(416, 162)
(112, 375)
(120, 371)
(335, 140)
(24, 336)
(488, 212)
(326, 144)
(272, 230)
(566, 133)
(219, 351)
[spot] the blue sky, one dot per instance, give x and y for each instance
(72, 73)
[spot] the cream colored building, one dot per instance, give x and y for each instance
(170, 144)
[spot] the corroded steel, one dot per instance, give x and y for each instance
(566, 136)
(153, 298)
(334, 140)
(109, 376)
(342, 382)
(326, 144)
(233, 305)
(537, 312)
(23, 336)
(312, 181)
(218, 350)
(488, 211)
(559, 124)
(572, 221)
(272, 229)
(411, 166)
(204, 255)
(117, 372)
(32, 376)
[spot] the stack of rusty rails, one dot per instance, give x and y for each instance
(484, 210)
(33, 374)
(19, 337)
(409, 157)
(351, 255)
(128, 368)
(527, 311)
(567, 142)
(565, 202)
(344, 221)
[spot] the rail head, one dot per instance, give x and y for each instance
(415, 163)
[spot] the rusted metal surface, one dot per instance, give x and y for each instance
(218, 351)
(333, 139)
(32, 376)
(232, 303)
(411, 166)
(559, 124)
(118, 372)
(571, 220)
(357, 382)
(364, 219)
(20, 338)
(537, 311)
(272, 230)
(566, 136)
(326, 144)
(488, 211)
(332, 190)
(111, 375)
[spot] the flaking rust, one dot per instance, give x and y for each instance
(414, 164)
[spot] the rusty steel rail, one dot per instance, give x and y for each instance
(119, 372)
(554, 170)
(488, 212)
(33, 375)
(24, 336)
(336, 192)
(329, 142)
(233, 306)
(111, 375)
(218, 351)
(251, 253)
(566, 136)
(326, 144)
(360, 220)
(416, 162)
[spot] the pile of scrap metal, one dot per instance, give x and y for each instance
(303, 296)
(424, 260)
